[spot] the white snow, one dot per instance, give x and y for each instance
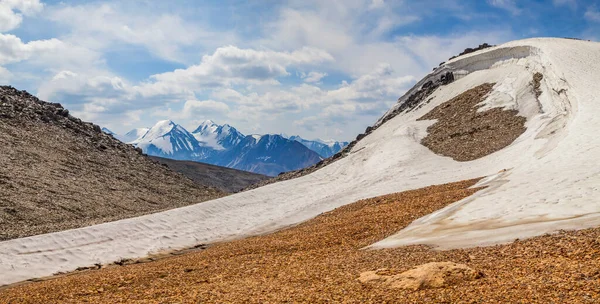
(133, 135)
(550, 182)
(158, 136)
(207, 135)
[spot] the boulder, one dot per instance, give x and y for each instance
(430, 275)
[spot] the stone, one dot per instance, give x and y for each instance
(430, 275)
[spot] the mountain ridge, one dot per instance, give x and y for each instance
(223, 145)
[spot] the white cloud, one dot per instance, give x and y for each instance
(85, 86)
(592, 14)
(5, 76)
(369, 95)
(100, 26)
(232, 65)
(378, 84)
(12, 49)
(9, 19)
(295, 28)
(313, 76)
(193, 108)
(509, 5)
(376, 4)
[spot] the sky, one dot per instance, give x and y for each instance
(314, 68)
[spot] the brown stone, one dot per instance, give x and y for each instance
(430, 275)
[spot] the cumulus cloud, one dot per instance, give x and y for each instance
(193, 108)
(10, 19)
(231, 65)
(368, 95)
(376, 4)
(12, 49)
(377, 84)
(313, 76)
(101, 25)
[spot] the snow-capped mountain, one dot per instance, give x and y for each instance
(325, 148)
(268, 154)
(133, 135)
(168, 139)
(212, 135)
(223, 145)
(109, 132)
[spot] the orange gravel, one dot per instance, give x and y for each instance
(320, 261)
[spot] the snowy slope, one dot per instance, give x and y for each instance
(546, 180)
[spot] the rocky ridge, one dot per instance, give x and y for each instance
(58, 172)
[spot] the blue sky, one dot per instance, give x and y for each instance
(319, 69)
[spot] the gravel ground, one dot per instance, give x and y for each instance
(320, 261)
(465, 134)
(58, 172)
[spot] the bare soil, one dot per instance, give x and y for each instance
(58, 172)
(465, 134)
(321, 260)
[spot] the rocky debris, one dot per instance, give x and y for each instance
(464, 133)
(58, 172)
(537, 82)
(430, 275)
(471, 50)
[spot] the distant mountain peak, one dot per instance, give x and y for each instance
(169, 139)
(107, 131)
(218, 137)
(224, 145)
(133, 135)
(325, 148)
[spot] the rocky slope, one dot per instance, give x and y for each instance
(58, 172)
(226, 179)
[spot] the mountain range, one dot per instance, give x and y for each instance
(224, 145)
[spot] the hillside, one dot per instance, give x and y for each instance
(508, 135)
(225, 179)
(58, 172)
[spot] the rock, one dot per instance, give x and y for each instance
(430, 275)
